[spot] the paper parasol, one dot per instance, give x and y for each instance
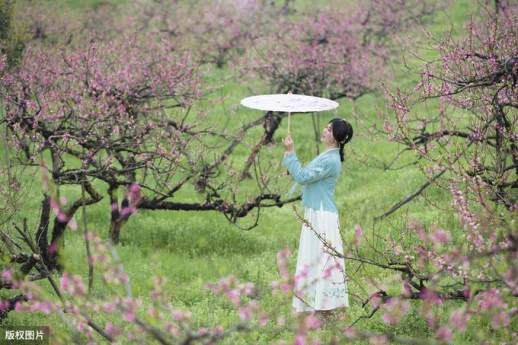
(289, 103)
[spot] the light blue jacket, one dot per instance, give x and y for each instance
(318, 178)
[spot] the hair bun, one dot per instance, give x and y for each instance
(342, 132)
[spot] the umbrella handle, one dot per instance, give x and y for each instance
(289, 123)
(289, 134)
(289, 117)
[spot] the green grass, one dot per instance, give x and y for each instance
(191, 249)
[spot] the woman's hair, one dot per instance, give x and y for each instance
(342, 132)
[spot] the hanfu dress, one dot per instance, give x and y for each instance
(320, 279)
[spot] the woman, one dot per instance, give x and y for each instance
(320, 276)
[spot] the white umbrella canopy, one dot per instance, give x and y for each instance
(290, 103)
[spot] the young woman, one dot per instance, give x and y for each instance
(320, 276)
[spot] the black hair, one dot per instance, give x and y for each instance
(342, 132)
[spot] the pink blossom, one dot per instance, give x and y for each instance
(467, 217)
(62, 217)
(358, 234)
(54, 205)
(444, 333)
(282, 263)
(108, 307)
(44, 307)
(248, 289)
(300, 339)
(440, 236)
(490, 299)
(302, 275)
(394, 310)
(134, 195)
(18, 306)
(65, 282)
(336, 267)
(178, 315)
(153, 312)
(125, 212)
(245, 313)
(134, 188)
(7, 275)
(53, 247)
(79, 288)
(263, 320)
(501, 319)
(406, 289)
(458, 319)
(4, 304)
(312, 322)
(350, 332)
(234, 296)
(286, 288)
(72, 224)
(430, 296)
(129, 316)
(111, 330)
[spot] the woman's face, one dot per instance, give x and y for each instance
(327, 135)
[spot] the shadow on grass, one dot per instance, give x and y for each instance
(193, 234)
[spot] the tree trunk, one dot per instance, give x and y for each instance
(271, 123)
(117, 219)
(115, 230)
(56, 244)
(41, 233)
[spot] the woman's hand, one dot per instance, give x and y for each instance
(288, 144)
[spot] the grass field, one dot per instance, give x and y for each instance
(191, 249)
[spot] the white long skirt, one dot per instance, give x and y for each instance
(320, 280)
